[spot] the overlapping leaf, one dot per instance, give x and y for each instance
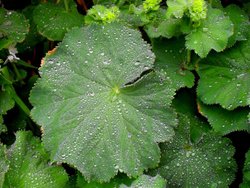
(241, 24)
(171, 59)
(206, 163)
(6, 103)
(115, 182)
(146, 181)
(246, 172)
(28, 165)
(225, 77)
(177, 8)
(213, 33)
(96, 112)
(13, 28)
(53, 21)
(225, 121)
(4, 164)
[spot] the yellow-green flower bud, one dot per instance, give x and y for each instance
(150, 5)
(197, 10)
(100, 13)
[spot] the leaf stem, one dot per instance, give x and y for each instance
(19, 77)
(66, 5)
(188, 57)
(10, 89)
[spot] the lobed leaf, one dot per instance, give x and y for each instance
(6, 102)
(28, 165)
(4, 164)
(212, 33)
(241, 24)
(225, 121)
(53, 21)
(171, 59)
(98, 113)
(146, 181)
(246, 172)
(225, 77)
(114, 182)
(13, 28)
(177, 8)
(206, 163)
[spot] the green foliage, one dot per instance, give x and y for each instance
(246, 172)
(146, 181)
(212, 33)
(4, 164)
(225, 121)
(171, 57)
(207, 162)
(101, 14)
(53, 20)
(225, 78)
(28, 165)
(138, 94)
(112, 105)
(241, 24)
(13, 28)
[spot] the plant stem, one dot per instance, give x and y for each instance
(19, 77)
(188, 57)
(10, 89)
(66, 5)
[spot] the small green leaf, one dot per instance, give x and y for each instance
(29, 165)
(53, 21)
(176, 8)
(225, 77)
(207, 162)
(102, 14)
(13, 28)
(166, 28)
(224, 121)
(105, 117)
(6, 102)
(33, 37)
(171, 59)
(3, 128)
(241, 24)
(146, 181)
(246, 172)
(212, 33)
(4, 164)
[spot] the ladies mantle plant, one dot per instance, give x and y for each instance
(134, 94)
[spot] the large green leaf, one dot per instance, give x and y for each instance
(145, 181)
(53, 21)
(225, 121)
(241, 24)
(29, 165)
(246, 172)
(225, 77)
(213, 33)
(101, 122)
(13, 28)
(4, 164)
(171, 59)
(206, 163)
